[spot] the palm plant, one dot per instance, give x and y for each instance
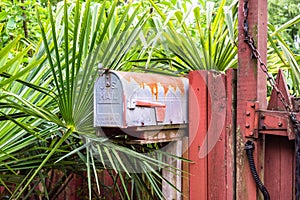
(281, 55)
(23, 136)
(204, 37)
(199, 39)
(46, 109)
(56, 94)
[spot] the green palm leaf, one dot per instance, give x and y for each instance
(107, 36)
(212, 46)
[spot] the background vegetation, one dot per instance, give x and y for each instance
(49, 55)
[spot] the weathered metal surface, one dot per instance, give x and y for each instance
(272, 122)
(128, 99)
(251, 119)
(275, 123)
(251, 86)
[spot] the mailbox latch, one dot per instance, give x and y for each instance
(160, 108)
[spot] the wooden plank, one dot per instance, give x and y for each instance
(74, 189)
(63, 185)
(197, 132)
(174, 148)
(185, 168)
(159, 136)
(251, 86)
(274, 102)
(212, 135)
(279, 167)
(216, 135)
(230, 135)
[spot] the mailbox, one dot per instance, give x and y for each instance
(129, 99)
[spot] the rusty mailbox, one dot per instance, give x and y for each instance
(140, 101)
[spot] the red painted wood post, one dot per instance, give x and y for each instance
(197, 132)
(211, 146)
(216, 136)
(251, 86)
(230, 134)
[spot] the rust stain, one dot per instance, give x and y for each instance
(152, 80)
(154, 89)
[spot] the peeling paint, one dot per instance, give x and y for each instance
(153, 82)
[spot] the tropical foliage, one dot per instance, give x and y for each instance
(46, 83)
(18, 18)
(51, 107)
(281, 12)
(203, 37)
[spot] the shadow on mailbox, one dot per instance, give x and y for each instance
(145, 107)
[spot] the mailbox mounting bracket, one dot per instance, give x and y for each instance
(146, 134)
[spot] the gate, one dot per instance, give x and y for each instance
(220, 147)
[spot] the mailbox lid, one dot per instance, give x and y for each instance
(108, 101)
(127, 99)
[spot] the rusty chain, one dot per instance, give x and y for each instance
(255, 53)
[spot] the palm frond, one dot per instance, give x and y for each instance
(209, 47)
(77, 38)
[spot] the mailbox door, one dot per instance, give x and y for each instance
(108, 101)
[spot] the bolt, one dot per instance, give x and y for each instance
(280, 124)
(251, 133)
(247, 125)
(252, 105)
(247, 113)
(262, 116)
(263, 127)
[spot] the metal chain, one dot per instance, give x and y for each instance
(255, 53)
